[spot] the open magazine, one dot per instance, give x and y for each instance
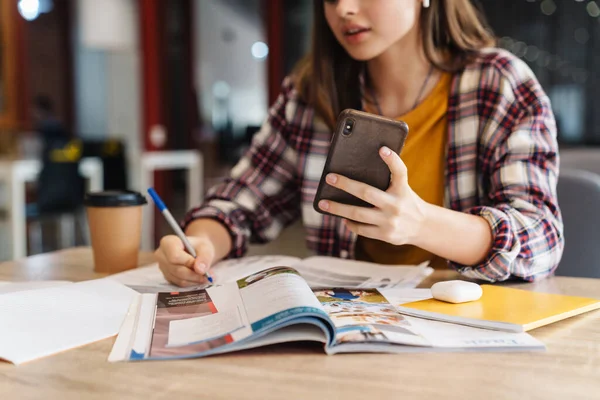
(277, 305)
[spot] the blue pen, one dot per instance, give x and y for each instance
(167, 214)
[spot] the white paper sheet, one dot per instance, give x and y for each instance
(327, 272)
(148, 280)
(318, 271)
(401, 296)
(42, 322)
(11, 287)
(151, 280)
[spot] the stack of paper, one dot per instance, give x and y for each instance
(317, 271)
(38, 323)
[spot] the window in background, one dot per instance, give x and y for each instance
(560, 41)
(230, 71)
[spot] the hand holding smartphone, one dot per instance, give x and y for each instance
(354, 153)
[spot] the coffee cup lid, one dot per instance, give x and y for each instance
(114, 198)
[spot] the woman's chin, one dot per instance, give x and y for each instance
(364, 54)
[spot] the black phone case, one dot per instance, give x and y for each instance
(356, 156)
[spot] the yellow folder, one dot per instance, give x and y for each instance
(503, 308)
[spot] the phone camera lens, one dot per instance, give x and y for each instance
(348, 126)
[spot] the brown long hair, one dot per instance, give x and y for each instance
(452, 31)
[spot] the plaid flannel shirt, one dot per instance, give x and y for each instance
(502, 165)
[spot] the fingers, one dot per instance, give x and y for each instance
(360, 214)
(396, 166)
(178, 266)
(371, 195)
(371, 231)
(174, 251)
(384, 200)
(205, 254)
(386, 221)
(183, 276)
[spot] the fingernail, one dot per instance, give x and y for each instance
(331, 178)
(386, 151)
(200, 268)
(324, 205)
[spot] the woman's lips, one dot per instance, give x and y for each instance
(354, 35)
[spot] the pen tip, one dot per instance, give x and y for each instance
(210, 279)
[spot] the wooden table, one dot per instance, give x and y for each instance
(570, 369)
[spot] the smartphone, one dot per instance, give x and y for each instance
(354, 153)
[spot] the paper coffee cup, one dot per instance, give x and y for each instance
(115, 222)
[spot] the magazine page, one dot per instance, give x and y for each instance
(326, 272)
(255, 304)
(365, 322)
(182, 324)
(217, 319)
(364, 316)
(275, 295)
(234, 269)
(298, 332)
(444, 335)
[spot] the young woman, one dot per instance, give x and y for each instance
(475, 188)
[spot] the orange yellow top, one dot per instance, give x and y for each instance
(424, 154)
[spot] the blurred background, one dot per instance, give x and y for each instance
(119, 94)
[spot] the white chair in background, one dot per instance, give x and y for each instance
(189, 160)
(14, 174)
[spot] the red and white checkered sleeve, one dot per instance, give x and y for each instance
(522, 208)
(262, 193)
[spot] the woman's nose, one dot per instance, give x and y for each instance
(347, 8)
